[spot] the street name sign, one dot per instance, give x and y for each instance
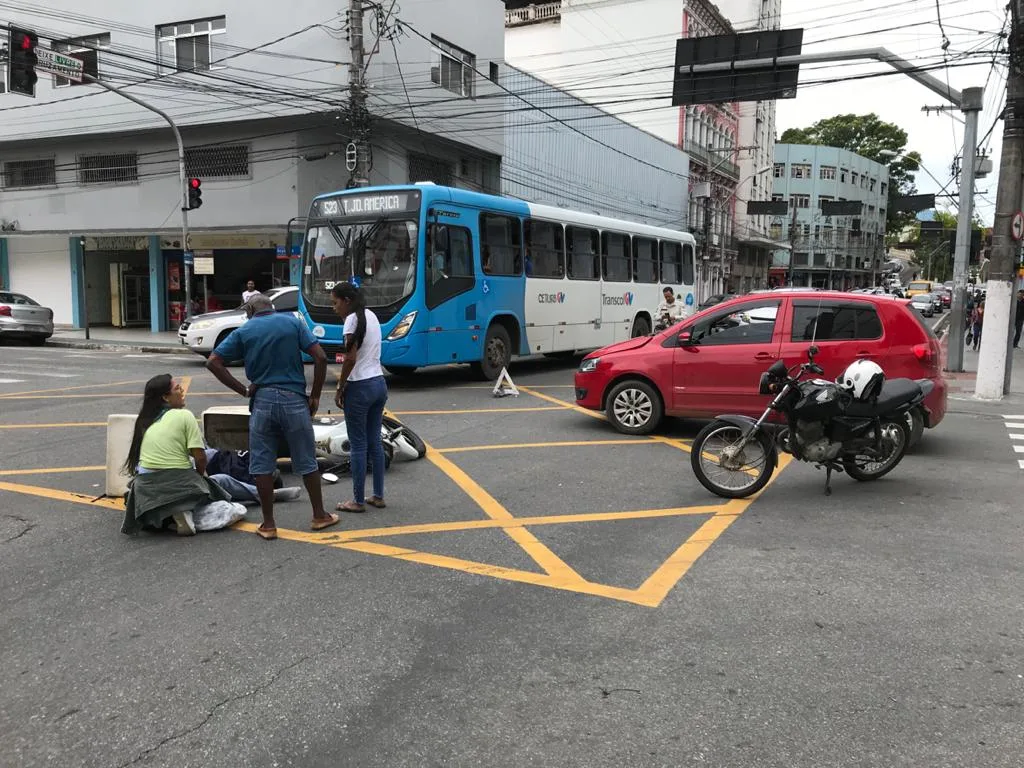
(59, 64)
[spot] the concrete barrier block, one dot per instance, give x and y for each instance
(120, 427)
(226, 427)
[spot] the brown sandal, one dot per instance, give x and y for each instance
(268, 534)
(349, 506)
(377, 502)
(319, 524)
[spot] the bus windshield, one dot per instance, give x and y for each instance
(380, 255)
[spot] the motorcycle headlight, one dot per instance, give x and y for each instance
(401, 330)
(201, 325)
(590, 364)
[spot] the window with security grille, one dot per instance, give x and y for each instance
(453, 68)
(86, 49)
(187, 46)
(217, 162)
(121, 168)
(424, 168)
(30, 173)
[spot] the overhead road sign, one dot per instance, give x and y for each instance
(764, 81)
(59, 64)
(767, 207)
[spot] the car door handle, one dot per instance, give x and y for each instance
(863, 353)
(764, 356)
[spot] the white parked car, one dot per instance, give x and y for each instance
(205, 332)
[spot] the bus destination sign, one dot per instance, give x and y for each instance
(371, 204)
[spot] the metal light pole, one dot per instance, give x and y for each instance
(183, 182)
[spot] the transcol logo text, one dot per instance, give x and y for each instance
(625, 299)
(551, 298)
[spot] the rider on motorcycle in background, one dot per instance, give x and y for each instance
(669, 312)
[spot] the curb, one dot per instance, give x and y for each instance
(116, 346)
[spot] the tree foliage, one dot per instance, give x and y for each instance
(873, 138)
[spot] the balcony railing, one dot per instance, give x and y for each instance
(716, 162)
(532, 14)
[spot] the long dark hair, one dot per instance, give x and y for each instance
(354, 295)
(153, 404)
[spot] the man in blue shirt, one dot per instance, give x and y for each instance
(271, 345)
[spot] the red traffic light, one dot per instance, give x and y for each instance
(195, 183)
(26, 43)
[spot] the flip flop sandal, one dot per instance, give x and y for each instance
(319, 525)
(350, 506)
(373, 501)
(268, 534)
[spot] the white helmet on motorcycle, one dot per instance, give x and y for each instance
(863, 379)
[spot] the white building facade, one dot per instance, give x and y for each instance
(89, 187)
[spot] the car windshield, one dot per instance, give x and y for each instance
(378, 256)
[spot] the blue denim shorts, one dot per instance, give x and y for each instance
(281, 416)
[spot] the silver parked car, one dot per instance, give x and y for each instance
(924, 304)
(23, 318)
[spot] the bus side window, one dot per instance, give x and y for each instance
(645, 260)
(582, 249)
(689, 270)
(671, 263)
(500, 245)
(545, 254)
(615, 250)
(449, 263)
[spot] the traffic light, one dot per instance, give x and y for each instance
(195, 193)
(21, 61)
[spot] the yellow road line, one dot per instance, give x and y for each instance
(63, 389)
(52, 470)
(563, 403)
(544, 557)
(518, 522)
(55, 426)
(560, 444)
(72, 397)
(477, 410)
(50, 493)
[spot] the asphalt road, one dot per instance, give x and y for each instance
(881, 626)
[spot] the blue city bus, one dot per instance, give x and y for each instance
(461, 277)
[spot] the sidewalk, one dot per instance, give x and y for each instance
(961, 383)
(124, 339)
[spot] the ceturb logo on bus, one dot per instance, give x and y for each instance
(551, 298)
(625, 299)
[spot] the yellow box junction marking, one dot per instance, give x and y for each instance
(555, 573)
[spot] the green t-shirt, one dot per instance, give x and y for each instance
(167, 443)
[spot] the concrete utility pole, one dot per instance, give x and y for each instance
(995, 358)
(792, 245)
(707, 235)
(358, 116)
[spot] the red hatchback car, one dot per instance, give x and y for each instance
(711, 363)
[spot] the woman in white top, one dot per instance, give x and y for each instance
(362, 394)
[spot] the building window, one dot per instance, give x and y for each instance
(854, 178)
(186, 46)
(776, 198)
(426, 168)
(230, 160)
(3, 79)
(843, 174)
(871, 185)
(884, 188)
(822, 199)
(19, 174)
(801, 201)
(779, 171)
(800, 171)
(453, 67)
(827, 172)
(108, 169)
(775, 231)
(84, 48)
(494, 74)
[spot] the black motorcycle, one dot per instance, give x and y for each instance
(735, 456)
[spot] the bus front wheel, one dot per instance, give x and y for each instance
(401, 371)
(497, 354)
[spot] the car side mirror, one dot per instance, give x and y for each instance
(685, 338)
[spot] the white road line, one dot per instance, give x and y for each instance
(1014, 426)
(1012, 418)
(1018, 448)
(1021, 463)
(12, 381)
(1016, 436)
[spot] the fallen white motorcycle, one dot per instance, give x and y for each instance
(333, 448)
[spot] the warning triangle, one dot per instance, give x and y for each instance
(504, 386)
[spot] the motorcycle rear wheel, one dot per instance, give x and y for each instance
(753, 471)
(865, 467)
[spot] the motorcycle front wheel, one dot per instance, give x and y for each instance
(872, 463)
(724, 469)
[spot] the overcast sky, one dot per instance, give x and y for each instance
(970, 26)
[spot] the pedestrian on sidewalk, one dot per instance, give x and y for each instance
(977, 321)
(362, 394)
(1018, 320)
(249, 292)
(271, 344)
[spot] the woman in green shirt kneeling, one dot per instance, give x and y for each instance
(167, 462)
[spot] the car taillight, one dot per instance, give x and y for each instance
(923, 352)
(5, 311)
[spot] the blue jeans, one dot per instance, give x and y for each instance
(364, 417)
(278, 414)
(241, 492)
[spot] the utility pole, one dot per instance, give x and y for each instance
(994, 359)
(358, 116)
(707, 233)
(970, 104)
(792, 245)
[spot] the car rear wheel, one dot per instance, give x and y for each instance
(915, 427)
(38, 341)
(634, 407)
